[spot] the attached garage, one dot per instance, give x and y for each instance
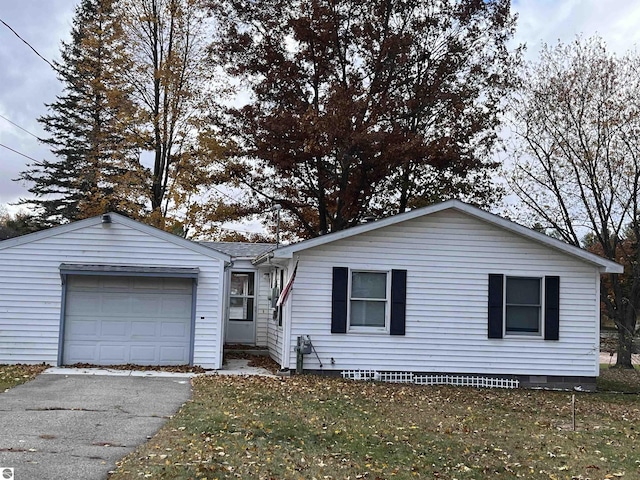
(143, 318)
(110, 293)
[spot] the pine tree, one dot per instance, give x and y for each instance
(91, 127)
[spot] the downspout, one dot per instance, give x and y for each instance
(224, 288)
(63, 311)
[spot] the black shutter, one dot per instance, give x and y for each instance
(339, 300)
(551, 308)
(398, 301)
(496, 283)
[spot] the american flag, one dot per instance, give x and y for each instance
(285, 291)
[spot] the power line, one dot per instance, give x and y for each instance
(21, 128)
(19, 153)
(28, 44)
(225, 194)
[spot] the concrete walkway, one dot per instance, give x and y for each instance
(610, 359)
(238, 366)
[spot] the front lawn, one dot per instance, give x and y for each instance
(617, 380)
(12, 375)
(325, 428)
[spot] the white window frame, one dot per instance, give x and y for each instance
(387, 301)
(524, 335)
(254, 297)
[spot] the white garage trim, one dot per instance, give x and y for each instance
(126, 271)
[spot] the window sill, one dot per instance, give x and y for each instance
(368, 330)
(523, 336)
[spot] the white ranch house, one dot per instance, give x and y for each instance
(442, 290)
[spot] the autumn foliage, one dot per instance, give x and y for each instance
(361, 109)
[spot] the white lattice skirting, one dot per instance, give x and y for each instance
(408, 377)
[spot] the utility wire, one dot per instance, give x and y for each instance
(19, 153)
(225, 194)
(28, 44)
(21, 128)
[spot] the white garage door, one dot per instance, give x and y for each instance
(111, 320)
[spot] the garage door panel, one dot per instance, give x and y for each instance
(143, 355)
(80, 328)
(122, 320)
(87, 281)
(170, 355)
(114, 328)
(82, 303)
(173, 329)
(114, 283)
(169, 287)
(146, 283)
(147, 304)
(115, 303)
(79, 353)
(112, 353)
(172, 305)
(144, 330)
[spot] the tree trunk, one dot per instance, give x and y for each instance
(626, 326)
(625, 348)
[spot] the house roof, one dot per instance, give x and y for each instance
(606, 266)
(240, 249)
(115, 219)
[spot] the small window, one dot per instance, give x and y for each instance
(523, 306)
(368, 300)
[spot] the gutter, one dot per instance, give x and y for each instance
(265, 257)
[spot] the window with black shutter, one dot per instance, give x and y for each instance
(524, 306)
(368, 301)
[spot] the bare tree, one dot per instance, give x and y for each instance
(170, 78)
(577, 163)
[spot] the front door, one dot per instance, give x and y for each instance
(241, 325)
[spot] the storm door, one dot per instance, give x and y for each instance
(241, 325)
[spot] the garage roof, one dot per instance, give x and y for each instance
(115, 219)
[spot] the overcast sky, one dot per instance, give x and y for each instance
(27, 82)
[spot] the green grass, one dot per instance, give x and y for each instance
(325, 428)
(12, 375)
(619, 380)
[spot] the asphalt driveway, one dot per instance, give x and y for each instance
(77, 426)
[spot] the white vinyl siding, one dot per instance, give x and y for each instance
(264, 308)
(448, 257)
(31, 290)
(275, 342)
(275, 332)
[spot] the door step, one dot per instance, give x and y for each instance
(246, 349)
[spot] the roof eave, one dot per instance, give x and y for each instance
(615, 268)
